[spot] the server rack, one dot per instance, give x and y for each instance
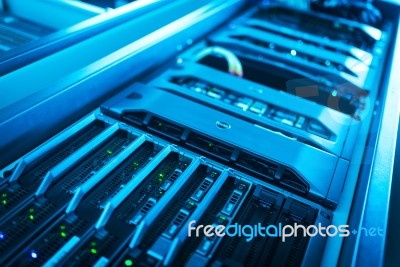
(363, 198)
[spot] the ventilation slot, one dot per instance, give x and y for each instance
(165, 128)
(100, 158)
(210, 146)
(250, 162)
(215, 206)
(92, 251)
(33, 175)
(150, 188)
(247, 253)
(291, 180)
(47, 246)
(179, 204)
(257, 165)
(11, 199)
(136, 118)
(290, 252)
(123, 175)
(23, 224)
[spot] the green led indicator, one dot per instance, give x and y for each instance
(4, 200)
(62, 227)
(31, 217)
(93, 251)
(128, 262)
(161, 175)
(31, 210)
(191, 203)
(210, 144)
(93, 244)
(160, 124)
(136, 164)
(109, 152)
(63, 234)
(223, 218)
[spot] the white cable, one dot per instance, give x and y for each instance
(234, 65)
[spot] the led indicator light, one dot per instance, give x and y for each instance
(34, 255)
(128, 262)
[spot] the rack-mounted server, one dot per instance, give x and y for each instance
(243, 145)
(114, 193)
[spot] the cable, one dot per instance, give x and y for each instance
(234, 65)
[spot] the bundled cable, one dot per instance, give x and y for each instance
(234, 65)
